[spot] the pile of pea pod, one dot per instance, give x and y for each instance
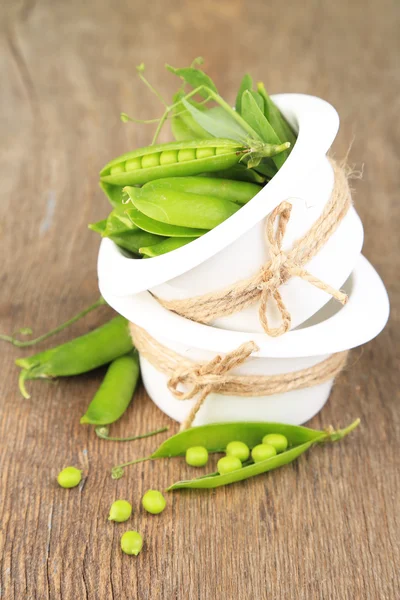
(166, 195)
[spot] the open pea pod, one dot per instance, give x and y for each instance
(216, 437)
(215, 480)
(163, 229)
(239, 192)
(180, 208)
(123, 232)
(189, 157)
(166, 246)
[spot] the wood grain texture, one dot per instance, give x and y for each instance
(325, 527)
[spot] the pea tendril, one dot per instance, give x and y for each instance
(28, 331)
(102, 432)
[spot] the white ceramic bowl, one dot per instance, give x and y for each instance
(333, 329)
(236, 249)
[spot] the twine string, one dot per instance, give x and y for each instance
(264, 285)
(201, 379)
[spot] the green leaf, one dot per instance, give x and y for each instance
(275, 117)
(256, 119)
(258, 99)
(183, 125)
(246, 84)
(195, 78)
(217, 122)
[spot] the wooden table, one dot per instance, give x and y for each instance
(323, 528)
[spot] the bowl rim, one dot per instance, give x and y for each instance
(360, 320)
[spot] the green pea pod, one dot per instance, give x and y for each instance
(123, 232)
(166, 246)
(99, 227)
(85, 353)
(116, 391)
(161, 229)
(180, 208)
(113, 193)
(179, 159)
(300, 439)
(239, 173)
(172, 159)
(239, 192)
(216, 437)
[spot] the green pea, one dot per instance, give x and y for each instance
(227, 464)
(120, 511)
(131, 542)
(205, 152)
(117, 169)
(150, 160)
(220, 150)
(277, 440)
(197, 456)
(186, 154)
(69, 477)
(154, 502)
(133, 164)
(262, 452)
(238, 449)
(168, 157)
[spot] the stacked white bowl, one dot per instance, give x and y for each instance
(236, 250)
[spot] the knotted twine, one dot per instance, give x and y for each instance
(264, 285)
(202, 379)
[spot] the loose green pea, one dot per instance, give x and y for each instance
(262, 452)
(205, 152)
(69, 477)
(277, 440)
(154, 502)
(131, 542)
(186, 154)
(117, 169)
(227, 464)
(133, 164)
(197, 456)
(168, 157)
(150, 160)
(120, 511)
(238, 449)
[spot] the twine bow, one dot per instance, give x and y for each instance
(265, 284)
(281, 267)
(204, 379)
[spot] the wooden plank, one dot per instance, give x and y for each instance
(326, 527)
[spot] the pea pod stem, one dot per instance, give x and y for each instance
(25, 343)
(118, 471)
(102, 433)
(80, 355)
